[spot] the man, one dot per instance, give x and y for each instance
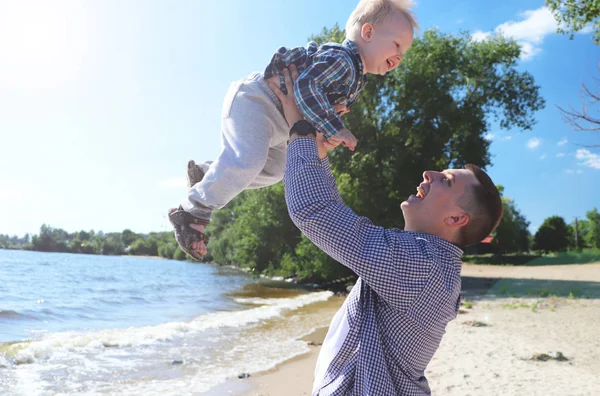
(388, 329)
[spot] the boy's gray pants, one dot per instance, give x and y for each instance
(254, 137)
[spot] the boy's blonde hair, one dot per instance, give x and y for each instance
(375, 11)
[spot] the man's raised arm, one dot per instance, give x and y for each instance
(314, 204)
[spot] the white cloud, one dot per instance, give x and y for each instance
(529, 32)
(489, 136)
(587, 29)
(532, 29)
(480, 36)
(579, 171)
(588, 158)
(543, 157)
(175, 182)
(562, 142)
(528, 51)
(560, 155)
(569, 170)
(459, 21)
(533, 143)
(507, 137)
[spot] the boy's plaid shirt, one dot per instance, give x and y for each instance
(408, 287)
(329, 74)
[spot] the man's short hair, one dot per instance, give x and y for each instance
(375, 11)
(483, 204)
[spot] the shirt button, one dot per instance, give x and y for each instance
(351, 95)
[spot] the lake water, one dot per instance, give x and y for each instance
(84, 324)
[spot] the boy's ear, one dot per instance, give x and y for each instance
(366, 32)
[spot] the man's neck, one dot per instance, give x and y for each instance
(440, 233)
(447, 238)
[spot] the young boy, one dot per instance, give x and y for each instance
(254, 131)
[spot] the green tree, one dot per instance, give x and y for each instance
(552, 236)
(257, 234)
(144, 247)
(579, 229)
(575, 15)
(179, 254)
(512, 234)
(592, 237)
(128, 237)
(51, 240)
(113, 244)
(167, 250)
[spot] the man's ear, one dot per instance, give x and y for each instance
(460, 220)
(366, 32)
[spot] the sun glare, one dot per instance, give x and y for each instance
(42, 43)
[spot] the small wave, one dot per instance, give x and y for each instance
(13, 315)
(260, 301)
(109, 302)
(103, 278)
(136, 298)
(30, 351)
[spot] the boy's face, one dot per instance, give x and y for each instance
(384, 45)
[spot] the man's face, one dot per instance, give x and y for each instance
(385, 44)
(434, 208)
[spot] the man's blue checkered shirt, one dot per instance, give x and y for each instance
(329, 74)
(408, 287)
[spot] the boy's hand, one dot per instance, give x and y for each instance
(345, 138)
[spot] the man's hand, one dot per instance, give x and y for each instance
(341, 109)
(292, 114)
(345, 138)
(290, 109)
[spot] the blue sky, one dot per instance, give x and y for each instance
(103, 103)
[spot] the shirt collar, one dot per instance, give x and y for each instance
(449, 246)
(354, 50)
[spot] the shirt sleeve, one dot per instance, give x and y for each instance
(327, 71)
(285, 57)
(393, 265)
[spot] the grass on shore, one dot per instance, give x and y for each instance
(581, 256)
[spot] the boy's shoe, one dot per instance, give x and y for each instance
(195, 174)
(180, 219)
(184, 234)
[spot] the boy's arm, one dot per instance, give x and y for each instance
(328, 70)
(284, 57)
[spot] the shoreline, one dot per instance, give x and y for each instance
(295, 373)
(298, 371)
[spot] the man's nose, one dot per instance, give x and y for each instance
(429, 176)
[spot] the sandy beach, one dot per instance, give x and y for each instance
(520, 331)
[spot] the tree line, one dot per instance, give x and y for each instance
(161, 244)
